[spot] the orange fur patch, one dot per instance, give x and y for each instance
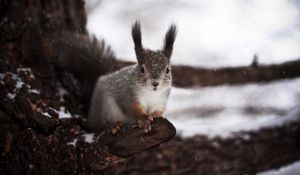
(137, 107)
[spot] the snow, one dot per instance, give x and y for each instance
(292, 169)
(224, 110)
(11, 95)
(35, 91)
(73, 142)
(63, 113)
(89, 138)
(214, 34)
(27, 71)
(46, 114)
(19, 84)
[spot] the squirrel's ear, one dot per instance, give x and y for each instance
(137, 39)
(169, 40)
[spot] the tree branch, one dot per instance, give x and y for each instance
(187, 76)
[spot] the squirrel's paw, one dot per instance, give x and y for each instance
(156, 114)
(145, 124)
(116, 127)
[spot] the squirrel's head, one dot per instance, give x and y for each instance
(154, 67)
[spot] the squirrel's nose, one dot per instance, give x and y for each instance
(155, 83)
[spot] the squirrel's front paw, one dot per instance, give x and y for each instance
(155, 114)
(145, 124)
(116, 127)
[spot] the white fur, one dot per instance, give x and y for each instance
(153, 100)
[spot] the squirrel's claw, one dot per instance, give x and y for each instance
(146, 121)
(145, 124)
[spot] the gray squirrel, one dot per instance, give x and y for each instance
(135, 93)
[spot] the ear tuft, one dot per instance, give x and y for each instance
(169, 40)
(137, 39)
(136, 35)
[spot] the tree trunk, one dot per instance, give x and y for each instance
(42, 124)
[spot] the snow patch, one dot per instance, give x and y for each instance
(63, 113)
(18, 85)
(46, 114)
(18, 82)
(11, 95)
(73, 142)
(27, 71)
(35, 91)
(89, 138)
(291, 169)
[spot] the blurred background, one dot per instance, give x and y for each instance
(214, 34)
(226, 33)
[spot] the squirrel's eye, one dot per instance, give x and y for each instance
(142, 70)
(167, 70)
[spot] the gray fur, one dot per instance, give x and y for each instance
(115, 93)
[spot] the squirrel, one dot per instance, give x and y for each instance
(134, 93)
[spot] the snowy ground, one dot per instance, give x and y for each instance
(292, 169)
(223, 110)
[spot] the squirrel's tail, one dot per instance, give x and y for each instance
(81, 60)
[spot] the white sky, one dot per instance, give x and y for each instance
(211, 33)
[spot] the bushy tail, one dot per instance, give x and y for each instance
(85, 58)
